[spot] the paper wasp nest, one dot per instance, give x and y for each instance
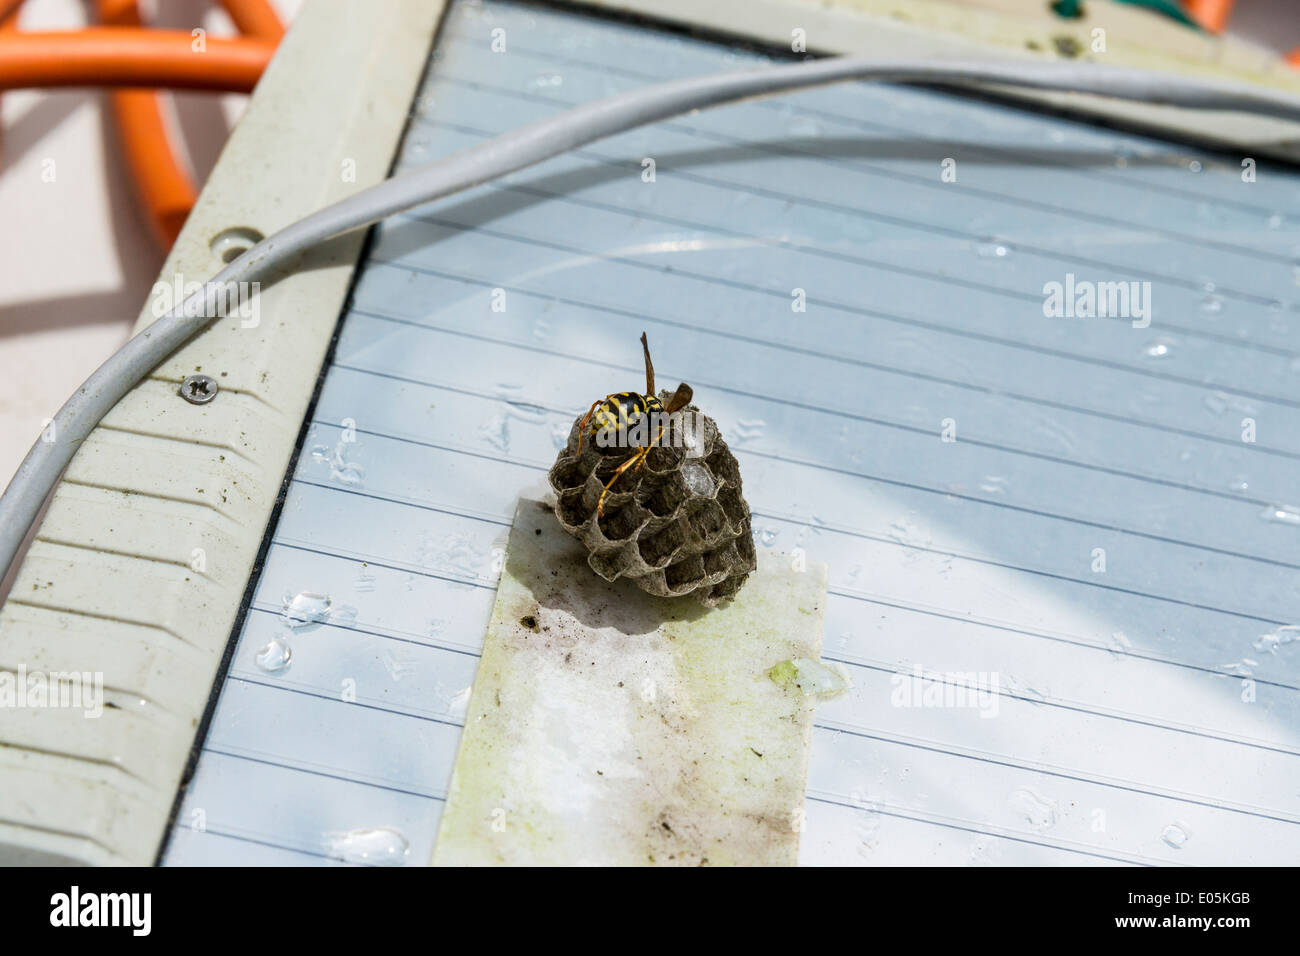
(676, 525)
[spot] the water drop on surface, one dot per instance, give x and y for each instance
(275, 656)
(1283, 514)
(993, 485)
(380, 846)
(1212, 304)
(1160, 348)
(496, 432)
(1195, 166)
(811, 678)
(991, 250)
(1270, 642)
(341, 470)
(747, 430)
(304, 608)
(1176, 835)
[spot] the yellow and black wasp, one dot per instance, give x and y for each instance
(619, 412)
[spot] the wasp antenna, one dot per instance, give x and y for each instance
(681, 398)
(649, 368)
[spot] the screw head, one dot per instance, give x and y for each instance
(199, 389)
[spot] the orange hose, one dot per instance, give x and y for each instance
(162, 184)
(255, 18)
(126, 56)
(9, 21)
(1211, 14)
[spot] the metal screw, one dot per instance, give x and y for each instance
(199, 389)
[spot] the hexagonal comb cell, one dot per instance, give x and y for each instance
(676, 525)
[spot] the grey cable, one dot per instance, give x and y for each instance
(528, 146)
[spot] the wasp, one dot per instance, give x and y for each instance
(619, 412)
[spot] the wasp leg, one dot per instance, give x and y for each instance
(582, 428)
(634, 463)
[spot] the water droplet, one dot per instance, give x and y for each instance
(1240, 484)
(749, 429)
(496, 432)
(341, 469)
(766, 536)
(992, 250)
(1284, 514)
(304, 608)
(698, 479)
(545, 81)
(1286, 634)
(1195, 166)
(275, 656)
(1119, 644)
(344, 471)
(994, 485)
(1038, 811)
(1160, 348)
(1212, 304)
(812, 678)
(380, 846)
(1275, 221)
(1176, 835)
